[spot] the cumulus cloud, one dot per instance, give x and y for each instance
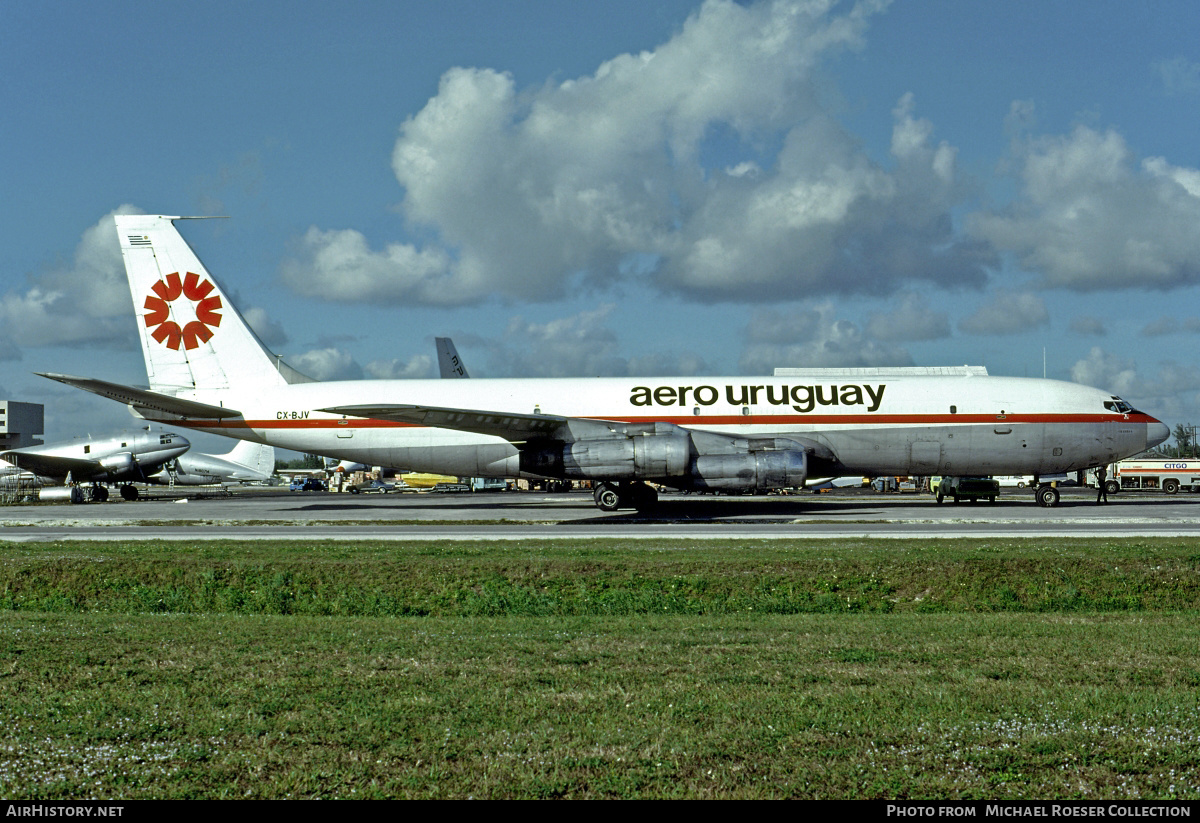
(1170, 395)
(1179, 75)
(1007, 313)
(1090, 216)
(327, 364)
(911, 319)
(83, 300)
(580, 345)
(820, 340)
(1106, 371)
(528, 192)
(269, 331)
(419, 365)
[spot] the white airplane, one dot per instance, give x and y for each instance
(122, 459)
(248, 462)
(209, 371)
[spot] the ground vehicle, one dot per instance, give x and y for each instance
(370, 486)
(1168, 475)
(971, 488)
(307, 484)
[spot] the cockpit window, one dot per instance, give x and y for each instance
(1119, 406)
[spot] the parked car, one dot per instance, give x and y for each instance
(307, 484)
(971, 488)
(372, 487)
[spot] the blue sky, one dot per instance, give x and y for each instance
(616, 187)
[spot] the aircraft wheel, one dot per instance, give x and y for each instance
(1047, 497)
(99, 494)
(1112, 486)
(940, 498)
(643, 497)
(992, 499)
(1170, 486)
(129, 493)
(608, 499)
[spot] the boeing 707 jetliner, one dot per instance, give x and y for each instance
(209, 371)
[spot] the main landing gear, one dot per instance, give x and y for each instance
(626, 494)
(1046, 496)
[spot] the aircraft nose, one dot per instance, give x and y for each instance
(1156, 432)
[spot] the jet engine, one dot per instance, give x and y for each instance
(759, 470)
(644, 456)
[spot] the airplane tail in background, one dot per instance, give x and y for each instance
(449, 363)
(256, 456)
(192, 336)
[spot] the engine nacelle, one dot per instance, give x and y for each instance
(117, 464)
(753, 471)
(642, 457)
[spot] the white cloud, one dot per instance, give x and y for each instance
(327, 364)
(419, 365)
(820, 340)
(269, 331)
(1179, 75)
(525, 192)
(1172, 394)
(1007, 313)
(339, 265)
(85, 300)
(1091, 217)
(1106, 371)
(580, 345)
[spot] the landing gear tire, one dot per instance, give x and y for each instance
(607, 498)
(1170, 486)
(1047, 497)
(940, 498)
(643, 497)
(99, 494)
(129, 493)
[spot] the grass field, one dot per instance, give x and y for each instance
(871, 669)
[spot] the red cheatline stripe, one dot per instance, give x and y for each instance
(713, 420)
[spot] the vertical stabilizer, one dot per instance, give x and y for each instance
(192, 336)
(449, 363)
(255, 456)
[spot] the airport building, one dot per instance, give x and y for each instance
(20, 423)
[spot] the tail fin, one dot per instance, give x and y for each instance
(449, 363)
(253, 455)
(192, 336)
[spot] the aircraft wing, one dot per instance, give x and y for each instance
(512, 426)
(47, 465)
(143, 398)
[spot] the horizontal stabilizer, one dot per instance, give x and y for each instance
(143, 398)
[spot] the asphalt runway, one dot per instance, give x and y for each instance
(273, 513)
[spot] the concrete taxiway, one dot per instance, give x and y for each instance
(259, 514)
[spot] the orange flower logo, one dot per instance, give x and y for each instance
(197, 331)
